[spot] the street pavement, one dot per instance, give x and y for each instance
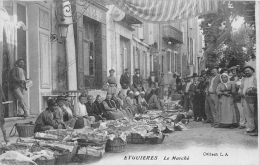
(201, 144)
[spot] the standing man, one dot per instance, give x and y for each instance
(137, 80)
(212, 99)
(248, 82)
(18, 83)
(186, 99)
(125, 81)
(195, 98)
(161, 84)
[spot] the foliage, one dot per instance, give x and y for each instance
(222, 43)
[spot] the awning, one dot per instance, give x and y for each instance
(172, 34)
(166, 10)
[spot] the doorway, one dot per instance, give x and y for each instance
(92, 53)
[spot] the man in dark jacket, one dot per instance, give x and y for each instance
(137, 80)
(18, 84)
(125, 81)
(45, 120)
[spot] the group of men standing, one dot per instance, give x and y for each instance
(203, 97)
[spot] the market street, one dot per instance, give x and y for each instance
(199, 136)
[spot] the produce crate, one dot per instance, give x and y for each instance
(115, 146)
(135, 138)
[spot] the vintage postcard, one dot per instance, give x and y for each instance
(129, 82)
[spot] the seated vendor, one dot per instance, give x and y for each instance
(111, 111)
(100, 105)
(64, 113)
(80, 111)
(123, 103)
(45, 120)
(131, 102)
(92, 108)
(140, 107)
(154, 101)
(141, 99)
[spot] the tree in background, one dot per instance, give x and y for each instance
(224, 43)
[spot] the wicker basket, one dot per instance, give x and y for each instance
(156, 140)
(61, 159)
(250, 99)
(115, 146)
(44, 161)
(25, 130)
(135, 138)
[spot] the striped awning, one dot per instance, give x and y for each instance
(166, 10)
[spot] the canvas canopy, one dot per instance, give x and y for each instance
(165, 11)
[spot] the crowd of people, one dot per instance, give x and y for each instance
(219, 97)
(129, 101)
(215, 98)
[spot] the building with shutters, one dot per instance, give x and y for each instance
(127, 47)
(30, 30)
(177, 48)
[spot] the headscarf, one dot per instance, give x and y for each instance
(224, 74)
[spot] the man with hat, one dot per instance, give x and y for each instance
(45, 120)
(195, 98)
(249, 109)
(187, 102)
(63, 114)
(138, 80)
(211, 104)
(111, 81)
(125, 81)
(18, 84)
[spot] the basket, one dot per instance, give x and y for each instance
(156, 140)
(135, 138)
(45, 161)
(62, 158)
(117, 145)
(23, 129)
(250, 99)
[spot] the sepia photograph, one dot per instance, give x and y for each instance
(129, 82)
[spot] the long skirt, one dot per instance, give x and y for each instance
(111, 89)
(227, 112)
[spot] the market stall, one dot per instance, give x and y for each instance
(61, 146)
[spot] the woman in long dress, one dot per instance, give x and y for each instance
(227, 112)
(111, 81)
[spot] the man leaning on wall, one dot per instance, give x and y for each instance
(18, 85)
